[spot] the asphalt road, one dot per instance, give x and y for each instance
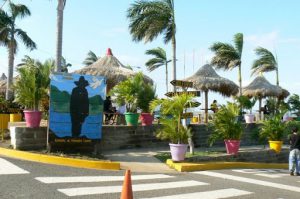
(24, 179)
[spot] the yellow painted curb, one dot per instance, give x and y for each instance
(89, 164)
(186, 166)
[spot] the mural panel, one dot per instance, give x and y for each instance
(76, 105)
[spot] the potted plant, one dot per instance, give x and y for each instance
(247, 103)
(145, 96)
(127, 91)
(171, 112)
(31, 87)
(226, 126)
(274, 130)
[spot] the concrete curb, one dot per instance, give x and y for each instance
(186, 166)
(49, 159)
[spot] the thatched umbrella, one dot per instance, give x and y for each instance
(260, 87)
(3, 77)
(206, 79)
(110, 67)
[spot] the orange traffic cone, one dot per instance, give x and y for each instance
(127, 187)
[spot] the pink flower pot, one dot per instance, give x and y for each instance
(146, 119)
(178, 151)
(232, 146)
(33, 118)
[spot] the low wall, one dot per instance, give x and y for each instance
(263, 156)
(122, 137)
(25, 138)
(201, 134)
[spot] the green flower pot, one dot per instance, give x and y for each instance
(131, 119)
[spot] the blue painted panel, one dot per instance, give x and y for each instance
(76, 105)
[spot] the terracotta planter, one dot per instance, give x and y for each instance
(15, 117)
(249, 118)
(275, 145)
(146, 119)
(232, 146)
(131, 119)
(178, 151)
(33, 118)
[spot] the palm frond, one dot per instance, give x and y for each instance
(28, 42)
(19, 10)
(90, 58)
(238, 43)
(148, 19)
(265, 62)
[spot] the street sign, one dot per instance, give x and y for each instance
(187, 115)
(195, 93)
(181, 83)
(195, 104)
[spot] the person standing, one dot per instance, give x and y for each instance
(294, 156)
(108, 108)
(214, 106)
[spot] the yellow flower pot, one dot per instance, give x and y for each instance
(15, 117)
(4, 119)
(195, 119)
(275, 145)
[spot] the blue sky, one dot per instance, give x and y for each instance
(97, 25)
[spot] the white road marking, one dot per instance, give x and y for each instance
(50, 180)
(269, 173)
(140, 187)
(251, 181)
(216, 194)
(7, 168)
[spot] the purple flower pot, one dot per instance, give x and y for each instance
(178, 151)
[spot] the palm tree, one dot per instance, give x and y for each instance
(33, 83)
(265, 63)
(159, 59)
(90, 58)
(148, 19)
(229, 56)
(9, 32)
(60, 17)
(64, 65)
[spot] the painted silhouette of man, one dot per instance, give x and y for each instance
(79, 105)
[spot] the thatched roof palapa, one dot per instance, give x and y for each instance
(260, 87)
(206, 79)
(110, 67)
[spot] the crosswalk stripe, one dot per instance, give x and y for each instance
(50, 180)
(140, 187)
(216, 194)
(8, 168)
(262, 172)
(249, 180)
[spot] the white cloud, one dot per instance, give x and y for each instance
(267, 40)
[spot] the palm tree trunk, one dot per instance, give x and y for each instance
(277, 76)
(167, 76)
(60, 16)
(206, 106)
(11, 57)
(240, 79)
(259, 107)
(174, 60)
